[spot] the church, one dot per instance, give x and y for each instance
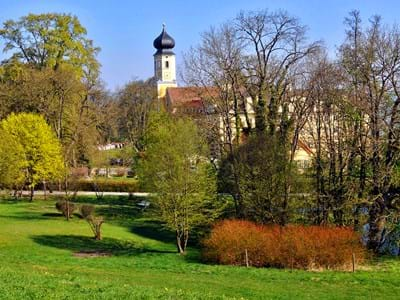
(176, 99)
(192, 101)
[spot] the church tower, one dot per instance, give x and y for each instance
(164, 63)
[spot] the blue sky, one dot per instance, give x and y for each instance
(126, 29)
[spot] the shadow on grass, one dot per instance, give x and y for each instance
(52, 215)
(118, 209)
(13, 200)
(87, 244)
(154, 230)
(118, 213)
(109, 200)
(29, 216)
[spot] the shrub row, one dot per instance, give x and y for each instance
(109, 185)
(293, 246)
(102, 185)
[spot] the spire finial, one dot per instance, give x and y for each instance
(163, 26)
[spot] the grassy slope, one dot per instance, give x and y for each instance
(36, 248)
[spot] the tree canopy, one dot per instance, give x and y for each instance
(30, 153)
(175, 169)
(51, 40)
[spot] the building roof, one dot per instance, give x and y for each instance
(177, 96)
(164, 43)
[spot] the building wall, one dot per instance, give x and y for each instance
(165, 67)
(165, 72)
(162, 88)
(302, 157)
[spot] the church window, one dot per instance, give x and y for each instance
(167, 64)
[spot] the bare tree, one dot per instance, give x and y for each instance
(371, 57)
(214, 65)
(274, 43)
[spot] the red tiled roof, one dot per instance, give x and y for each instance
(196, 103)
(189, 96)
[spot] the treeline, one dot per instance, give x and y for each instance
(273, 91)
(345, 108)
(52, 70)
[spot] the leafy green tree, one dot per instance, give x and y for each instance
(10, 161)
(52, 70)
(175, 170)
(134, 102)
(51, 40)
(35, 152)
(54, 94)
(263, 174)
(76, 115)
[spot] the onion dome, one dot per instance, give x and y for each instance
(164, 43)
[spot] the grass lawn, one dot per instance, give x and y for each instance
(37, 262)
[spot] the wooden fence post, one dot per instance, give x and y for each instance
(247, 258)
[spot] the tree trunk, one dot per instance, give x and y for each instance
(44, 190)
(68, 212)
(98, 234)
(180, 242)
(260, 113)
(376, 223)
(31, 194)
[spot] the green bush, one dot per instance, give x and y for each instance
(66, 208)
(104, 185)
(87, 210)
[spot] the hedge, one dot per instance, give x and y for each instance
(237, 242)
(103, 185)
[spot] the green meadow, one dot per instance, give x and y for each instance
(43, 256)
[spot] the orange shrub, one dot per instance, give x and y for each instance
(228, 242)
(292, 246)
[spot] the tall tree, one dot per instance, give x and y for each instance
(251, 68)
(53, 70)
(51, 40)
(331, 126)
(263, 171)
(62, 98)
(175, 170)
(214, 66)
(274, 42)
(35, 150)
(134, 102)
(371, 56)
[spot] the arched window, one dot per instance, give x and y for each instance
(167, 64)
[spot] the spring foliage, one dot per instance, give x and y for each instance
(29, 152)
(174, 168)
(51, 40)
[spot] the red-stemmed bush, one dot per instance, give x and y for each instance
(292, 246)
